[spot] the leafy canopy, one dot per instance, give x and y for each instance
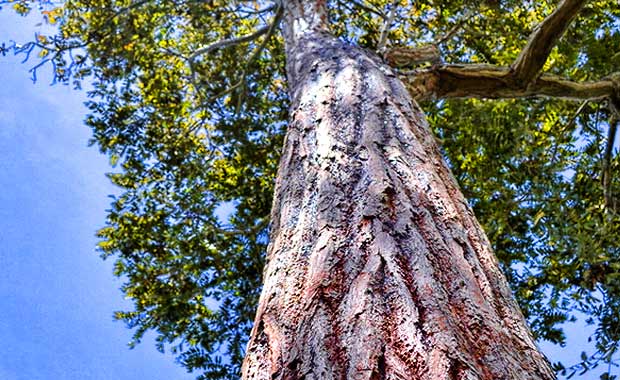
(194, 140)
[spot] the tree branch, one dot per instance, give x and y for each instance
(542, 40)
(521, 79)
(240, 84)
(607, 176)
(494, 82)
(269, 30)
(229, 42)
(261, 224)
(256, 53)
(387, 25)
(364, 7)
(469, 14)
(403, 56)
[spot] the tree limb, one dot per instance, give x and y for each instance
(403, 56)
(494, 82)
(607, 176)
(364, 7)
(256, 53)
(269, 30)
(228, 42)
(457, 27)
(521, 79)
(387, 25)
(262, 223)
(542, 40)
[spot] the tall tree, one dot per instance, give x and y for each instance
(376, 266)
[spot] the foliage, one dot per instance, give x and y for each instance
(195, 143)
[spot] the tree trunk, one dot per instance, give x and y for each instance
(377, 268)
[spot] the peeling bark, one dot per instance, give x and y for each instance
(377, 268)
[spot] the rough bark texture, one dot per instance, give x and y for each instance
(377, 268)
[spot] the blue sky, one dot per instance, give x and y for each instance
(56, 295)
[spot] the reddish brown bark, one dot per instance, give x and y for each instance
(377, 268)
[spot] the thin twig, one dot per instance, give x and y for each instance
(606, 177)
(457, 27)
(366, 8)
(262, 223)
(570, 122)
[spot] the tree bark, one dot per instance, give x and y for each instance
(496, 82)
(377, 268)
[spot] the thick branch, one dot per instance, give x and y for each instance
(403, 56)
(487, 81)
(542, 40)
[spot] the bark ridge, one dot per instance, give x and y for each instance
(377, 268)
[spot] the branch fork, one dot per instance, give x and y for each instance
(521, 79)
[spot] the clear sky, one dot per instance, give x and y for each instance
(56, 295)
